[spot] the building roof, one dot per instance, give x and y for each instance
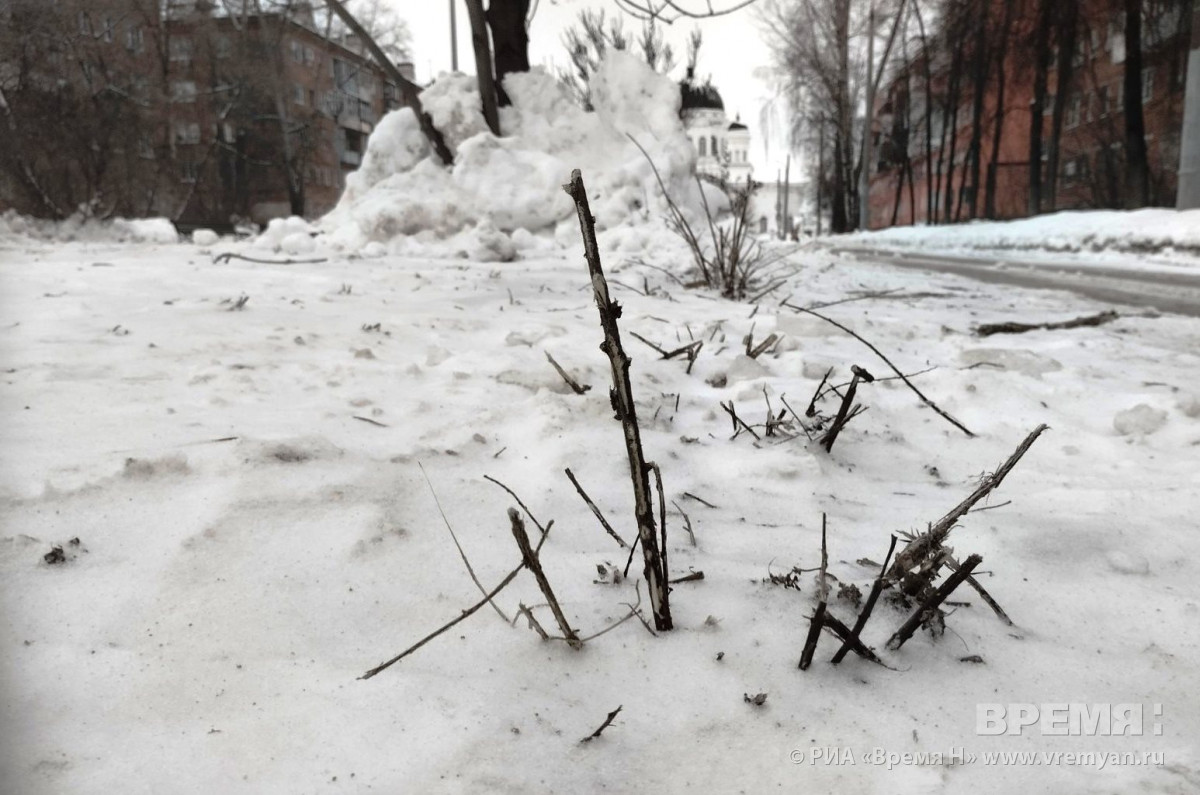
(737, 125)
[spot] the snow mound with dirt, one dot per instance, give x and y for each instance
(502, 191)
(1141, 231)
(22, 229)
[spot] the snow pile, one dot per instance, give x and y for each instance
(501, 189)
(1150, 230)
(16, 228)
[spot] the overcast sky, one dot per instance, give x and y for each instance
(731, 51)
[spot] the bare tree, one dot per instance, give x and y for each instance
(591, 38)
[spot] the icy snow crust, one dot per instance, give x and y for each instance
(1156, 231)
(255, 532)
(504, 195)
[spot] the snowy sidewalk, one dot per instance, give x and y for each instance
(255, 531)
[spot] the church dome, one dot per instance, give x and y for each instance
(698, 96)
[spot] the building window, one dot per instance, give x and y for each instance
(1074, 110)
(298, 94)
(187, 132)
(309, 56)
(703, 146)
(107, 27)
(183, 91)
(1148, 84)
(85, 23)
(224, 47)
(713, 144)
(297, 51)
(135, 39)
(188, 171)
(1102, 101)
(180, 48)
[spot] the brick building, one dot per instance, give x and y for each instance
(1090, 156)
(207, 115)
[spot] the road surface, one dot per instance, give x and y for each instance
(1164, 291)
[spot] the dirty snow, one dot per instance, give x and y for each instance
(255, 532)
(1170, 234)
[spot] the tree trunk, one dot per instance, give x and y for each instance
(1068, 23)
(843, 147)
(1137, 165)
(980, 63)
(409, 91)
(1037, 110)
(930, 203)
(510, 40)
(989, 203)
(483, 64)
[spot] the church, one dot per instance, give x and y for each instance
(722, 147)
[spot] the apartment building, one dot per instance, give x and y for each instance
(210, 116)
(924, 174)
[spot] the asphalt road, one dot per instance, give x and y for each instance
(1166, 292)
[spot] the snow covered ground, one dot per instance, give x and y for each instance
(1150, 238)
(254, 531)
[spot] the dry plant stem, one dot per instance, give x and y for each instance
(603, 522)
(1020, 328)
(939, 595)
(818, 618)
(888, 362)
(533, 622)
(917, 549)
(228, 255)
(465, 615)
(576, 387)
(738, 421)
(687, 523)
(662, 519)
(457, 545)
(693, 577)
(812, 404)
(843, 415)
(534, 565)
(872, 598)
(850, 641)
(954, 565)
(622, 401)
(528, 512)
(607, 722)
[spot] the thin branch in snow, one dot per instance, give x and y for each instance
(595, 510)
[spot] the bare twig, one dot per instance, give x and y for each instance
(228, 255)
(954, 565)
(622, 400)
(576, 387)
(607, 722)
(987, 329)
(818, 617)
(843, 415)
(687, 522)
(534, 565)
(369, 420)
(738, 421)
(700, 500)
(921, 614)
(872, 598)
(917, 549)
(603, 522)
(457, 545)
(888, 361)
(465, 615)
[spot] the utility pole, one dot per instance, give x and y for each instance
(864, 174)
(1188, 193)
(820, 169)
(787, 188)
(453, 39)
